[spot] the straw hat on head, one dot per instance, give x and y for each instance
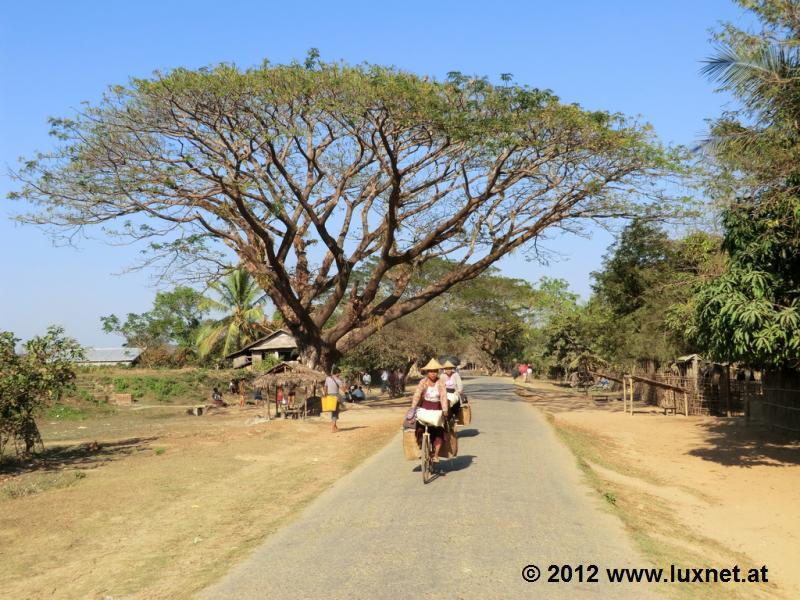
(433, 365)
(448, 365)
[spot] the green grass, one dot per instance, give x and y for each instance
(23, 486)
(77, 412)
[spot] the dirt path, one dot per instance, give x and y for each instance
(700, 490)
(513, 497)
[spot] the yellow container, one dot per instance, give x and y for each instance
(329, 403)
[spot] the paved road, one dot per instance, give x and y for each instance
(513, 497)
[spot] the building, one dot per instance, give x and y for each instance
(115, 357)
(279, 344)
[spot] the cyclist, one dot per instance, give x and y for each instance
(431, 394)
(454, 387)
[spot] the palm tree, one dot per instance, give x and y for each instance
(241, 301)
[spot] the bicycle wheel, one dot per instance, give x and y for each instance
(427, 458)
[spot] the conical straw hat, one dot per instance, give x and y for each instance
(448, 365)
(433, 365)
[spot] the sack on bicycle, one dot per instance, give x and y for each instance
(430, 417)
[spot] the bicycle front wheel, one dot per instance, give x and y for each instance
(427, 458)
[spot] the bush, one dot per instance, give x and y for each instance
(266, 363)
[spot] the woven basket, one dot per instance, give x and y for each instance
(464, 415)
(410, 448)
(450, 445)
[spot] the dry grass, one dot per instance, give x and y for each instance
(167, 512)
(651, 503)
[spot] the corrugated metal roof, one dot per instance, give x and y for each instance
(109, 355)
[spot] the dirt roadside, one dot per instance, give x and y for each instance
(141, 505)
(690, 489)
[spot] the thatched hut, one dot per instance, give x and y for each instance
(306, 383)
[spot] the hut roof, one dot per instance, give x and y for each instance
(277, 340)
(289, 372)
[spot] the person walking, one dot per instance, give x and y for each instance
(333, 386)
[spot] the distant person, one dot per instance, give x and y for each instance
(384, 380)
(241, 393)
(232, 388)
(257, 398)
(357, 394)
(282, 401)
(400, 382)
(216, 398)
(366, 379)
(527, 375)
(522, 368)
(333, 386)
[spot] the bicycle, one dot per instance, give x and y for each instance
(426, 456)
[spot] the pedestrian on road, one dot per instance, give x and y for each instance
(333, 386)
(432, 395)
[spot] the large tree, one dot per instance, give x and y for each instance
(751, 312)
(305, 172)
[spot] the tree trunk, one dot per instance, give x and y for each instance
(316, 354)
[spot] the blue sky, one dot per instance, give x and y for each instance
(640, 58)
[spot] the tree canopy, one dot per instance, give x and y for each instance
(751, 312)
(306, 172)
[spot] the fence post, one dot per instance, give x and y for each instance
(686, 404)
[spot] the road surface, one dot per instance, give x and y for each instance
(513, 497)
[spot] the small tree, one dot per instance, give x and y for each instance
(32, 380)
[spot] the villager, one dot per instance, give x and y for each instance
(384, 380)
(357, 394)
(232, 387)
(431, 394)
(282, 401)
(333, 386)
(454, 387)
(257, 397)
(366, 379)
(216, 398)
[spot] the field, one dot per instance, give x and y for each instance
(146, 501)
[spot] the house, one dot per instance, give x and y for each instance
(280, 344)
(118, 357)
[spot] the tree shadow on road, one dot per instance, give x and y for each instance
(82, 456)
